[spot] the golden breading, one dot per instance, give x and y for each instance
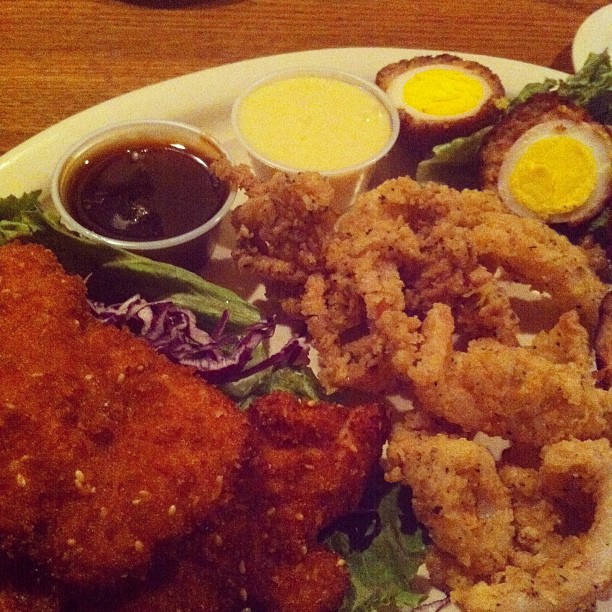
(176, 583)
(529, 395)
(559, 564)
(422, 131)
(603, 342)
(457, 493)
(309, 463)
(108, 448)
(287, 220)
(372, 277)
(507, 538)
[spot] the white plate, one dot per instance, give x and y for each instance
(204, 99)
(593, 36)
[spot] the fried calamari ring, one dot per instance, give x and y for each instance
(282, 227)
(404, 247)
(549, 571)
(531, 395)
(531, 253)
(380, 259)
(364, 281)
(457, 494)
(507, 538)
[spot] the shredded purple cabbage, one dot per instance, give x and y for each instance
(218, 356)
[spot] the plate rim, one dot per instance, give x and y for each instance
(582, 42)
(21, 172)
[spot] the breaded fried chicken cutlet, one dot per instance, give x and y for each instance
(308, 465)
(107, 449)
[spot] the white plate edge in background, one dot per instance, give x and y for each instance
(593, 36)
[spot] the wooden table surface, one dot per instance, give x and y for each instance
(62, 56)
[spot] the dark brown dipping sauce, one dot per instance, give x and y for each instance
(145, 191)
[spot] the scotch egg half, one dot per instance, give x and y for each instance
(550, 160)
(558, 171)
(441, 97)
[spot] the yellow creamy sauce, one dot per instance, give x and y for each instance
(443, 92)
(554, 175)
(314, 123)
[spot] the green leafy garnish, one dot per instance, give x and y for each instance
(19, 217)
(590, 87)
(299, 381)
(114, 274)
(382, 573)
(531, 89)
(451, 160)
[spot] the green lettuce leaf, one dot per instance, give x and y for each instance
(453, 163)
(300, 381)
(531, 89)
(19, 217)
(114, 274)
(383, 572)
(590, 87)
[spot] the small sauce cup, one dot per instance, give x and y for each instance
(146, 187)
(321, 120)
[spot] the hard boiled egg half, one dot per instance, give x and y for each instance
(559, 171)
(441, 97)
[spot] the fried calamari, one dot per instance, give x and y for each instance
(457, 494)
(550, 527)
(399, 251)
(287, 220)
(429, 291)
(532, 395)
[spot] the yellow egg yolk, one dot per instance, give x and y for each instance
(554, 175)
(443, 92)
(314, 123)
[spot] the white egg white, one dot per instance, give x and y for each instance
(395, 91)
(589, 135)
